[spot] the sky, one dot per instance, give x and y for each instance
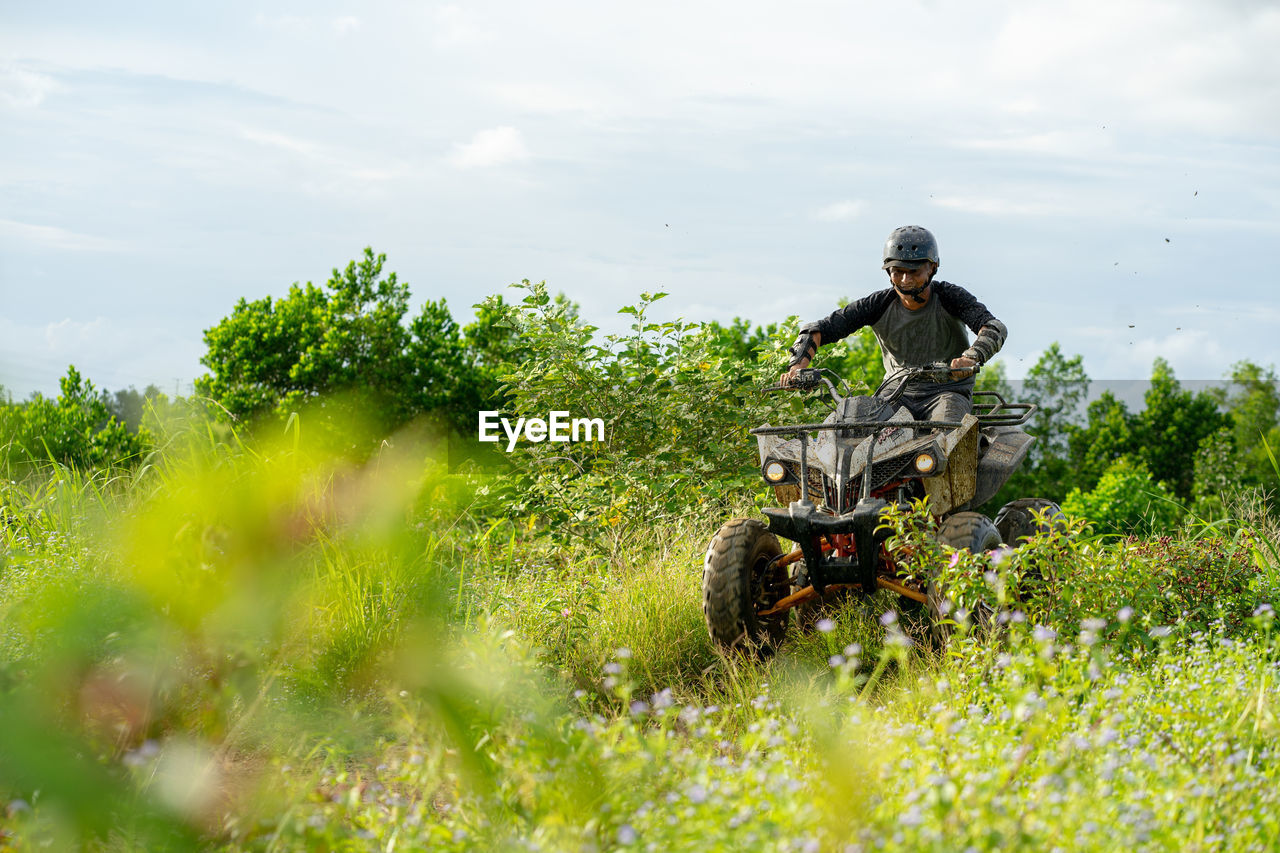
(1100, 173)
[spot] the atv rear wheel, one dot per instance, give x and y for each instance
(740, 578)
(964, 531)
(1016, 521)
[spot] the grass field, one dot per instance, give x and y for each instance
(267, 648)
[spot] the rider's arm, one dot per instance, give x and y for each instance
(845, 321)
(990, 332)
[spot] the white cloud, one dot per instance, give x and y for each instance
(291, 144)
(69, 335)
(996, 206)
(52, 237)
(24, 89)
(839, 211)
(345, 24)
(1076, 144)
(545, 98)
(493, 147)
(454, 27)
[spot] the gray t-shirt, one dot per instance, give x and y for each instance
(913, 338)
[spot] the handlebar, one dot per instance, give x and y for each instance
(810, 378)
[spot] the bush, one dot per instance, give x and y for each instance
(1126, 500)
(76, 429)
(676, 409)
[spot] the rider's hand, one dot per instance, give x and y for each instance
(786, 378)
(962, 362)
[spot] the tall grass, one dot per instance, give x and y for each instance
(261, 645)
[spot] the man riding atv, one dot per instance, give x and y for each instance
(917, 321)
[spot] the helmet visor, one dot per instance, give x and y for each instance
(906, 265)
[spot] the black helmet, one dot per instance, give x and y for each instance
(910, 246)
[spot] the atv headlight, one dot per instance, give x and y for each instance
(775, 472)
(925, 463)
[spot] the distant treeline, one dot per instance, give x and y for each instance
(677, 397)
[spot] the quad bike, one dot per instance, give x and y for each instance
(834, 480)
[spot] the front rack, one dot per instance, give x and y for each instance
(1000, 413)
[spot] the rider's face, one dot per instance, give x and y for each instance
(905, 278)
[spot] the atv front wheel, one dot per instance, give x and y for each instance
(969, 531)
(740, 579)
(1016, 520)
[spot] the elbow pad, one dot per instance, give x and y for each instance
(804, 347)
(990, 338)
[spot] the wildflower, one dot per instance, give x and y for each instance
(1160, 631)
(663, 699)
(626, 834)
(954, 561)
(622, 653)
(1124, 614)
(613, 668)
(1000, 555)
(639, 707)
(697, 795)
(826, 626)
(991, 578)
(1094, 624)
(836, 660)
(888, 618)
(1264, 609)
(911, 817)
(899, 639)
(1044, 635)
(852, 650)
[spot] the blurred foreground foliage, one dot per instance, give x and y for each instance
(266, 644)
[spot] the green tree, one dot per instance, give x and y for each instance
(1108, 433)
(1169, 430)
(1218, 473)
(1253, 401)
(129, 406)
(349, 337)
(1058, 386)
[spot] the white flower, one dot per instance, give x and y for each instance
(888, 618)
(1044, 635)
(826, 626)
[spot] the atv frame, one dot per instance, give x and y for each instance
(834, 503)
